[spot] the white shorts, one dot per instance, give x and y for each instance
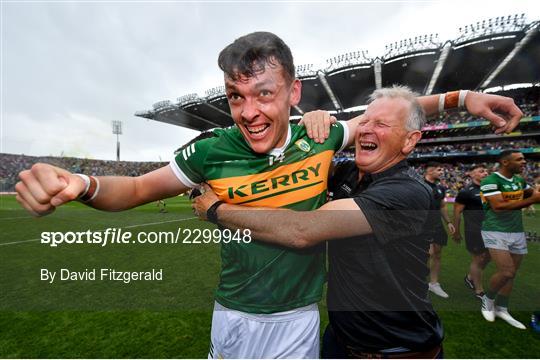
(514, 242)
(289, 334)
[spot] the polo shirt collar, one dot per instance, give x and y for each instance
(403, 164)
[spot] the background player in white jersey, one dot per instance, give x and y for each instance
(469, 204)
(504, 194)
(261, 89)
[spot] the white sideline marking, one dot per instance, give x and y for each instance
(121, 227)
(17, 217)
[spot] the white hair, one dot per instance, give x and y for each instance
(417, 116)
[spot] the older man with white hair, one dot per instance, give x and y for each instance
(377, 289)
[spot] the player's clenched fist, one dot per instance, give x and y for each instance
(44, 187)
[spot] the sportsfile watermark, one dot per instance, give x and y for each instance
(119, 236)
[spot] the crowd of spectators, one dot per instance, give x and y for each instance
(451, 118)
(11, 165)
(478, 146)
(454, 177)
(528, 99)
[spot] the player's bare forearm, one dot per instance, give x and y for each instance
(457, 223)
(296, 229)
(504, 205)
(44, 187)
(457, 218)
(429, 103)
(118, 193)
(444, 213)
(269, 225)
(458, 210)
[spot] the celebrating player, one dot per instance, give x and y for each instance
(504, 194)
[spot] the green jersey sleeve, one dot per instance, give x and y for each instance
(490, 186)
(188, 164)
(341, 132)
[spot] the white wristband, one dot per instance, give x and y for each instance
(97, 189)
(441, 102)
(461, 99)
(86, 180)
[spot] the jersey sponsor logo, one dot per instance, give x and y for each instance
(513, 195)
(265, 185)
(303, 145)
(286, 184)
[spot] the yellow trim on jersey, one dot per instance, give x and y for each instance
(513, 195)
(285, 185)
(508, 195)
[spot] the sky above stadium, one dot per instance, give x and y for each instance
(70, 68)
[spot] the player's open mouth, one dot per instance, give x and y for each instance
(368, 146)
(258, 131)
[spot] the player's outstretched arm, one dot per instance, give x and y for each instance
(45, 187)
(498, 203)
(501, 111)
(297, 229)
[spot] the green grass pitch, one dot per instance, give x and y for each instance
(171, 318)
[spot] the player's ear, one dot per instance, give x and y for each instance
(296, 92)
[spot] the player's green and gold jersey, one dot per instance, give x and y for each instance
(511, 190)
(258, 277)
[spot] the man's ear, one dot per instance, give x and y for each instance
(296, 92)
(413, 137)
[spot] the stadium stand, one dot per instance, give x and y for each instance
(499, 55)
(11, 165)
(492, 56)
(492, 53)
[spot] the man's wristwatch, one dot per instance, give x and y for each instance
(211, 213)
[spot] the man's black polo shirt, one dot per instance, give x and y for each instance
(435, 220)
(377, 287)
(473, 212)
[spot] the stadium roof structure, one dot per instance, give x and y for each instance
(491, 53)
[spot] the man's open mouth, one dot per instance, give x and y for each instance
(368, 146)
(259, 129)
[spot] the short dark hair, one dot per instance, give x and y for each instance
(477, 166)
(251, 53)
(433, 164)
(503, 155)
